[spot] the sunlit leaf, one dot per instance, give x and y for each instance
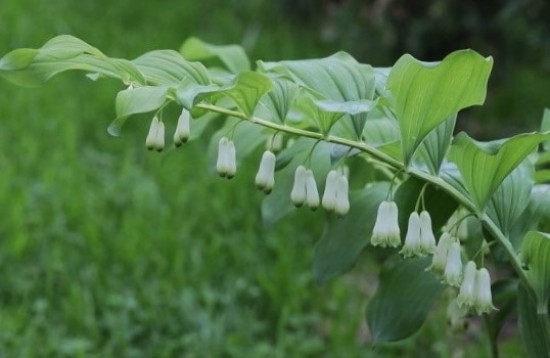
(246, 90)
(484, 166)
(345, 237)
(434, 147)
(535, 255)
(279, 100)
(403, 299)
(425, 94)
(231, 57)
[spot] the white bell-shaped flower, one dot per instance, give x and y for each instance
(298, 193)
(265, 178)
(439, 260)
(342, 196)
(386, 228)
(231, 160)
(483, 302)
(181, 135)
(155, 136)
(453, 268)
(466, 296)
(427, 238)
(412, 245)
(312, 194)
(329, 195)
(222, 164)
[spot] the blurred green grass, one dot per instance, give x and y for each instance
(109, 250)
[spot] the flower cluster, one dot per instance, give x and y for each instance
(155, 136)
(304, 190)
(265, 178)
(335, 196)
(226, 165)
(475, 285)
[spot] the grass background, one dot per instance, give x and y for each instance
(109, 250)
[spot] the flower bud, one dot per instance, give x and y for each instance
(386, 228)
(427, 239)
(453, 268)
(412, 246)
(312, 195)
(439, 260)
(342, 196)
(155, 136)
(298, 193)
(483, 301)
(329, 196)
(265, 178)
(181, 135)
(274, 143)
(466, 296)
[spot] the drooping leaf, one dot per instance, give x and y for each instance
(434, 147)
(33, 67)
(511, 198)
(277, 204)
(483, 166)
(535, 255)
(534, 334)
(345, 237)
(231, 57)
(426, 94)
(403, 299)
(279, 100)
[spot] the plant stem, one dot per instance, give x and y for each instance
(396, 164)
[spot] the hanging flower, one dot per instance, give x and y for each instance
(265, 178)
(483, 301)
(456, 316)
(466, 296)
(386, 228)
(329, 195)
(342, 196)
(453, 268)
(155, 136)
(312, 195)
(226, 164)
(181, 135)
(427, 238)
(274, 143)
(413, 245)
(298, 193)
(439, 260)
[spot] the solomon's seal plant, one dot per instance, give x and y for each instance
(488, 202)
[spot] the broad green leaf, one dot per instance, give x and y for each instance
(403, 299)
(545, 127)
(533, 331)
(246, 90)
(169, 68)
(277, 204)
(380, 131)
(232, 57)
(345, 237)
(31, 68)
(279, 100)
(511, 198)
(542, 176)
(136, 100)
(434, 147)
(540, 202)
(535, 255)
(484, 166)
(426, 94)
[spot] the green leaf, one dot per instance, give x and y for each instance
(511, 198)
(540, 204)
(534, 333)
(505, 298)
(545, 127)
(246, 90)
(345, 237)
(535, 255)
(402, 302)
(169, 68)
(434, 147)
(277, 204)
(31, 68)
(484, 166)
(426, 94)
(279, 100)
(231, 57)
